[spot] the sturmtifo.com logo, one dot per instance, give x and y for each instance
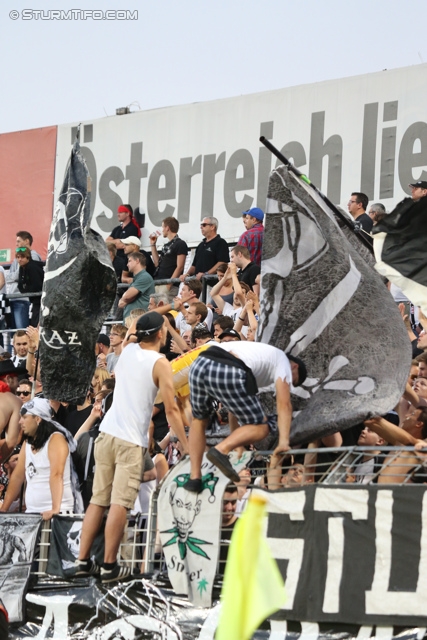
(73, 14)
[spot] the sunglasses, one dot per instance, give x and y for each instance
(205, 224)
(23, 393)
(21, 249)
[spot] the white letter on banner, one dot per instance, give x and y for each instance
(56, 610)
(291, 549)
(380, 600)
(354, 502)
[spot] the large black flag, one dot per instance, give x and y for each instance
(78, 291)
(322, 302)
(400, 249)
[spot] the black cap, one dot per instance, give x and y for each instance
(149, 323)
(230, 332)
(103, 339)
(422, 184)
(8, 368)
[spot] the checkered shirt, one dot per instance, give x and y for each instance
(253, 239)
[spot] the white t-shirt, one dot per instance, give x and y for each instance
(267, 363)
(182, 326)
(231, 312)
(134, 394)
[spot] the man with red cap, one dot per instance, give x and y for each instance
(128, 227)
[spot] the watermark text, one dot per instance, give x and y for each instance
(73, 14)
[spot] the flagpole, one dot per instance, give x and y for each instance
(305, 179)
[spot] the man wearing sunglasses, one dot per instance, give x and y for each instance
(210, 252)
(24, 390)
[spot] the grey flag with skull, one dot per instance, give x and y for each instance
(78, 292)
(321, 301)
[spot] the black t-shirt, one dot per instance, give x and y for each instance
(168, 257)
(249, 274)
(209, 253)
(365, 222)
(149, 264)
(119, 265)
(161, 428)
(119, 232)
(75, 419)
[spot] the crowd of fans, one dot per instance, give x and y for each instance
(57, 440)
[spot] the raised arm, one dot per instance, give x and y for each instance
(391, 434)
(176, 336)
(215, 291)
(238, 291)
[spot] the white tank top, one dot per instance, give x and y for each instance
(38, 497)
(134, 394)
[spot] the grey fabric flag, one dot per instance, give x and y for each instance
(322, 302)
(78, 291)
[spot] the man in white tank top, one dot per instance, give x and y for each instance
(119, 449)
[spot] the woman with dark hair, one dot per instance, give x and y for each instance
(30, 280)
(45, 463)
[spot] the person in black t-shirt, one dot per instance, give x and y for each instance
(357, 206)
(248, 271)
(128, 227)
(170, 259)
(210, 252)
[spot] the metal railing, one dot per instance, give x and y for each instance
(334, 466)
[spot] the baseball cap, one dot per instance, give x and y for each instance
(131, 240)
(230, 332)
(256, 212)
(149, 323)
(422, 184)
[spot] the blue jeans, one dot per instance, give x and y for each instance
(20, 311)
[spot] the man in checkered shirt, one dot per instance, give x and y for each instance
(231, 373)
(253, 237)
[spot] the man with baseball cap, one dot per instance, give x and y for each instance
(119, 450)
(229, 335)
(253, 237)
(10, 374)
(132, 244)
(418, 190)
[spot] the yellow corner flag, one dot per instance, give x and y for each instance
(253, 587)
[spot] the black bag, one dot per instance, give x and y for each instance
(219, 355)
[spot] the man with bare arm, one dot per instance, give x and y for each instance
(120, 447)
(10, 431)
